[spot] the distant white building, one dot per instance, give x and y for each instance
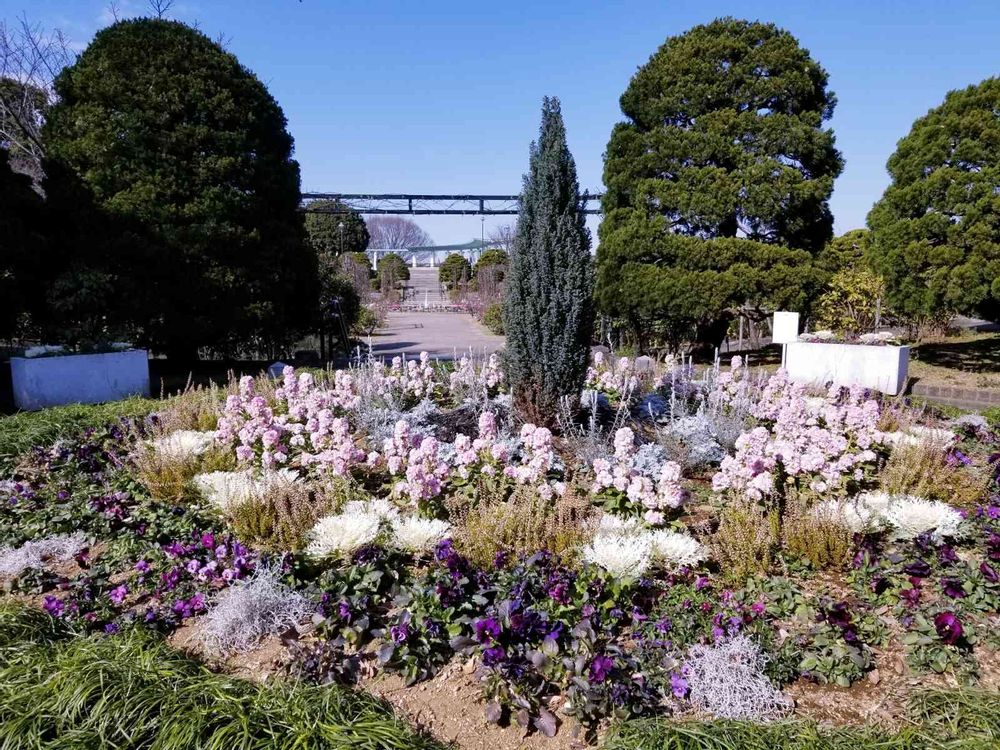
(430, 256)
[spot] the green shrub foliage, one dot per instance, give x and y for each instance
(722, 157)
(547, 312)
(455, 270)
(937, 226)
(495, 256)
(167, 130)
(848, 251)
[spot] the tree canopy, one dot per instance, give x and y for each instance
(455, 270)
(722, 154)
(547, 312)
(167, 130)
(849, 250)
(334, 228)
(937, 226)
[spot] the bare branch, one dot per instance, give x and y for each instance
(160, 8)
(503, 237)
(395, 232)
(115, 11)
(30, 59)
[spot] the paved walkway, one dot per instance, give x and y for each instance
(439, 334)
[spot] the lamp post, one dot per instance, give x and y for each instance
(340, 229)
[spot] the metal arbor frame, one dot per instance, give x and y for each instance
(437, 205)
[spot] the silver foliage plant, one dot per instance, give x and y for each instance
(250, 610)
(34, 555)
(727, 679)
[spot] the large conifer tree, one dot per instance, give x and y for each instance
(169, 132)
(548, 315)
(717, 182)
(937, 227)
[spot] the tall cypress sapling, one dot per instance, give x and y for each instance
(548, 313)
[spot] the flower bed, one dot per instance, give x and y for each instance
(752, 542)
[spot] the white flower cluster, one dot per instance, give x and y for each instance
(905, 516)
(818, 336)
(343, 533)
(418, 535)
(182, 444)
(34, 554)
(920, 435)
(43, 350)
(226, 489)
(879, 338)
(626, 549)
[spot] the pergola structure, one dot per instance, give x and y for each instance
(436, 205)
(430, 255)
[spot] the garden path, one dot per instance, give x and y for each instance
(440, 334)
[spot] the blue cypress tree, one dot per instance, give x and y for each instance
(548, 312)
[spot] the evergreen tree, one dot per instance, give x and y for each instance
(937, 227)
(455, 271)
(169, 132)
(547, 314)
(722, 154)
(334, 228)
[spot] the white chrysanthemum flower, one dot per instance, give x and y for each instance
(856, 515)
(376, 506)
(611, 525)
(622, 556)
(418, 535)
(43, 350)
(183, 444)
(911, 516)
(224, 489)
(342, 533)
(677, 550)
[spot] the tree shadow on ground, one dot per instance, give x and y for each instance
(979, 355)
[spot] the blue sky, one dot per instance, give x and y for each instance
(440, 97)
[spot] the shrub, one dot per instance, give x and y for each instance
(280, 518)
(727, 680)
(392, 270)
(853, 302)
(746, 541)
(522, 525)
(924, 469)
(493, 318)
(816, 534)
(455, 271)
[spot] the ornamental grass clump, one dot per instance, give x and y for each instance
(522, 524)
(250, 610)
(166, 464)
(817, 534)
(936, 470)
(727, 679)
(279, 519)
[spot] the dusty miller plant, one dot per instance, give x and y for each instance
(727, 679)
(250, 610)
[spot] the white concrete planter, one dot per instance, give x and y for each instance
(79, 378)
(881, 368)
